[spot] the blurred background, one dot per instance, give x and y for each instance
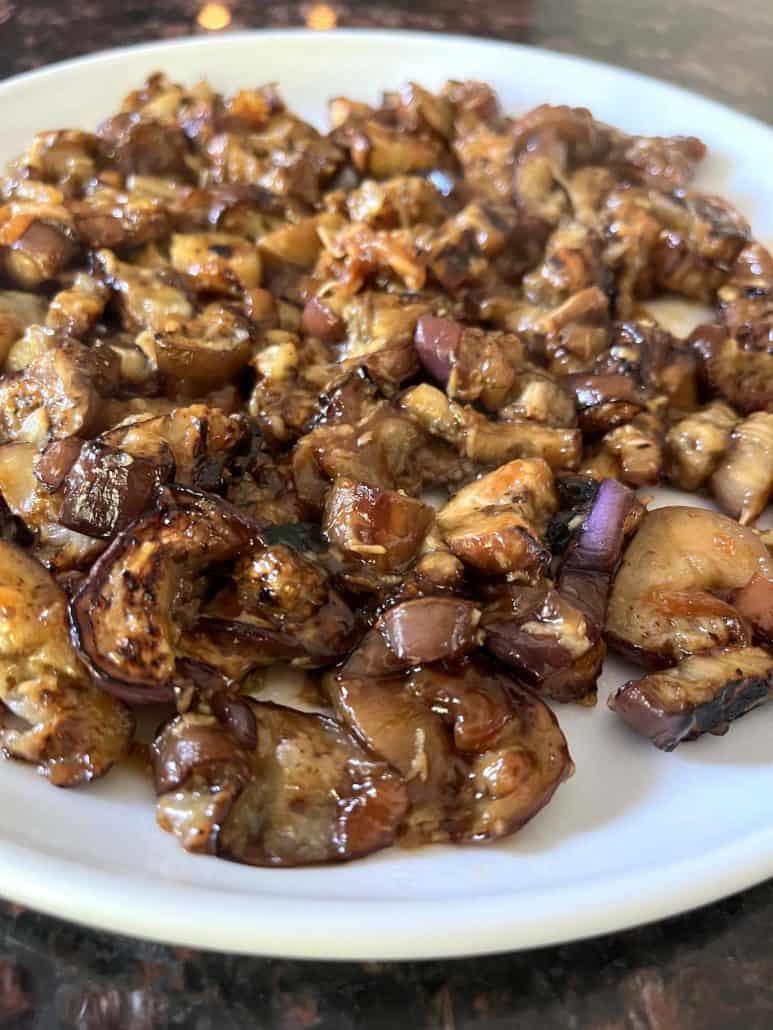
(721, 49)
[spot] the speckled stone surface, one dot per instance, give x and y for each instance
(709, 970)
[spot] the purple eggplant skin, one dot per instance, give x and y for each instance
(704, 693)
(436, 341)
(106, 489)
(586, 571)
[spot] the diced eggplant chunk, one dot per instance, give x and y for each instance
(381, 527)
(704, 693)
(42, 250)
(39, 507)
(106, 489)
(52, 714)
(197, 441)
(667, 598)
(216, 262)
(547, 641)
(269, 786)
(54, 397)
(293, 594)
(589, 563)
(127, 616)
(495, 524)
(426, 629)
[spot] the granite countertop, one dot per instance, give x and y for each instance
(707, 970)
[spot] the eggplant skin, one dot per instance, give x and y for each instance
(266, 785)
(666, 708)
(123, 619)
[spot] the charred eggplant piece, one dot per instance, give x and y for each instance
(496, 523)
(126, 618)
(702, 694)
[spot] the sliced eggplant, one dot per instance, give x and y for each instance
(703, 693)
(270, 786)
(668, 598)
(128, 616)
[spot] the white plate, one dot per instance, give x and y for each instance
(635, 835)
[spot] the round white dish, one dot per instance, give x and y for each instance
(636, 835)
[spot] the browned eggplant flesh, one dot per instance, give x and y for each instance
(373, 404)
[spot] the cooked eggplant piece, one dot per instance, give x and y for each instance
(146, 297)
(18, 311)
(118, 218)
(381, 527)
(54, 463)
(128, 616)
(665, 163)
(216, 262)
(702, 694)
(107, 489)
(39, 506)
(695, 444)
(54, 397)
(496, 524)
(552, 635)
(387, 448)
(746, 299)
(486, 442)
(741, 371)
(199, 353)
(291, 592)
(667, 598)
(605, 401)
(540, 397)
(743, 480)
(378, 331)
(637, 448)
(33, 250)
(269, 786)
(400, 202)
(701, 238)
(320, 321)
(196, 441)
(754, 602)
(52, 714)
(144, 146)
(236, 647)
(481, 755)
(547, 641)
(589, 563)
(426, 629)
(472, 365)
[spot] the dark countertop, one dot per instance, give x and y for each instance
(710, 970)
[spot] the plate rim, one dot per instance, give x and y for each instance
(341, 929)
